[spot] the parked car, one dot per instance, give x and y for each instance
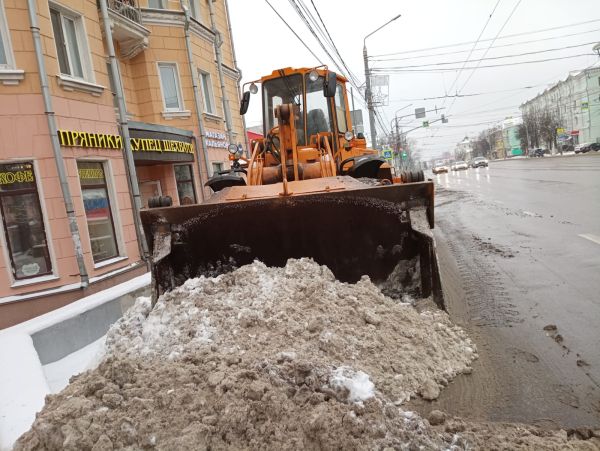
(595, 146)
(458, 165)
(583, 147)
(439, 168)
(536, 153)
(479, 162)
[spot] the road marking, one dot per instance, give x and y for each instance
(591, 237)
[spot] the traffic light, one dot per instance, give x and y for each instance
(425, 123)
(444, 120)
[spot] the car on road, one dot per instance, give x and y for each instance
(583, 147)
(439, 168)
(536, 153)
(458, 165)
(479, 162)
(595, 146)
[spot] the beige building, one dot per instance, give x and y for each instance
(67, 190)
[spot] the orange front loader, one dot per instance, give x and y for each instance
(310, 188)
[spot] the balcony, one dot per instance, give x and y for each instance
(127, 27)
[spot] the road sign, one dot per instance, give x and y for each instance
(419, 113)
(387, 154)
(425, 123)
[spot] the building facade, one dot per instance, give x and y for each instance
(67, 206)
(574, 103)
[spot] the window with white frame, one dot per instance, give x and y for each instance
(71, 46)
(98, 211)
(207, 92)
(23, 223)
(195, 9)
(157, 4)
(169, 83)
(6, 56)
(217, 167)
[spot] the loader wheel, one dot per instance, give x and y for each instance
(412, 176)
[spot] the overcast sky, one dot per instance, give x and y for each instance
(263, 43)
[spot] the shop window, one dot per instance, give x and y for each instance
(169, 82)
(96, 202)
(71, 47)
(23, 221)
(185, 184)
(207, 93)
(157, 4)
(217, 167)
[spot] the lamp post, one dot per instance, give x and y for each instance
(368, 93)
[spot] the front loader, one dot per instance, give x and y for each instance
(310, 188)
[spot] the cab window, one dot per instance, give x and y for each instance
(317, 108)
(281, 91)
(340, 109)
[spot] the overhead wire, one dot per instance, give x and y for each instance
(489, 39)
(295, 34)
(482, 48)
(393, 70)
(514, 55)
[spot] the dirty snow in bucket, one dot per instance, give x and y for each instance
(272, 358)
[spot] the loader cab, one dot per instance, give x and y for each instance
(319, 99)
(320, 108)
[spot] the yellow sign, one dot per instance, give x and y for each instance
(71, 138)
(95, 173)
(8, 178)
(560, 131)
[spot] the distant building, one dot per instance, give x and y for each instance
(464, 150)
(575, 102)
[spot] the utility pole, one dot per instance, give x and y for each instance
(368, 92)
(369, 98)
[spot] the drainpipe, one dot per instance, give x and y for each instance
(124, 125)
(58, 158)
(235, 65)
(218, 42)
(197, 99)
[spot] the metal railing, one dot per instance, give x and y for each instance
(126, 8)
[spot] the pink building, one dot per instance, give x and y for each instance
(52, 254)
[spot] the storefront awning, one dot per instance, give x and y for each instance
(160, 144)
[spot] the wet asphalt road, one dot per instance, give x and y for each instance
(519, 249)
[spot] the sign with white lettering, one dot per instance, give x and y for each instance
(216, 140)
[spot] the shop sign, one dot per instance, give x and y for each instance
(216, 140)
(71, 138)
(91, 173)
(8, 178)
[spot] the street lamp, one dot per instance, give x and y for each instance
(368, 93)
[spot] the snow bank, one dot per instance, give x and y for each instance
(272, 358)
(21, 393)
(290, 344)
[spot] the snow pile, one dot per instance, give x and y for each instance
(269, 358)
(359, 386)
(259, 312)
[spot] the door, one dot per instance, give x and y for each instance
(149, 189)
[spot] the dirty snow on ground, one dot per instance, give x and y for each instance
(275, 358)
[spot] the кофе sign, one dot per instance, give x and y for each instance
(149, 144)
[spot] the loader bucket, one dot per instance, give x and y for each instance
(379, 231)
